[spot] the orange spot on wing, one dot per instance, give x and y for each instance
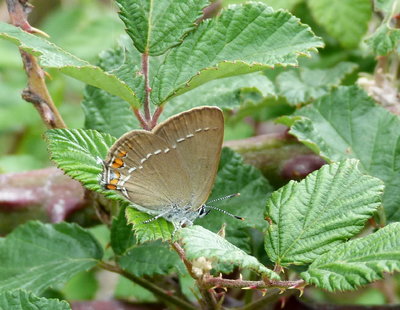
(122, 153)
(111, 186)
(114, 181)
(118, 163)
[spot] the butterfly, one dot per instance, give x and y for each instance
(169, 172)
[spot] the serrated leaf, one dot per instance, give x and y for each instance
(108, 113)
(35, 255)
(158, 229)
(346, 21)
(52, 56)
(76, 152)
(384, 40)
(224, 93)
(200, 242)
(151, 258)
(156, 26)
(348, 124)
(22, 300)
(303, 85)
(357, 262)
(243, 39)
(328, 207)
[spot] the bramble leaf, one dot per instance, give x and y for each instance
(151, 258)
(243, 39)
(23, 300)
(199, 242)
(158, 229)
(385, 38)
(348, 124)
(276, 4)
(77, 151)
(156, 26)
(224, 93)
(35, 255)
(357, 262)
(346, 21)
(303, 85)
(328, 207)
(52, 56)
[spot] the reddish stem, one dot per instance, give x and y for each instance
(142, 121)
(156, 115)
(147, 89)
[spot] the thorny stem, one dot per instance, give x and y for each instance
(159, 292)
(37, 92)
(245, 284)
(147, 89)
(207, 283)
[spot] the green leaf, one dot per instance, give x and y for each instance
(224, 93)
(199, 242)
(276, 4)
(243, 39)
(304, 85)
(22, 300)
(52, 56)
(384, 40)
(76, 151)
(108, 113)
(156, 26)
(328, 207)
(151, 258)
(348, 124)
(122, 236)
(357, 262)
(35, 255)
(346, 21)
(158, 229)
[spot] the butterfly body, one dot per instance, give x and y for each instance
(168, 172)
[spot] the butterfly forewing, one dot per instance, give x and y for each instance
(149, 172)
(197, 135)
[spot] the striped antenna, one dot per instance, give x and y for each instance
(223, 211)
(225, 197)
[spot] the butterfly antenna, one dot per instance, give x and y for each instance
(225, 212)
(225, 197)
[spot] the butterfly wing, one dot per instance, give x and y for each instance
(147, 171)
(197, 137)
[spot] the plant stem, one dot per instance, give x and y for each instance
(37, 92)
(156, 115)
(142, 121)
(208, 301)
(147, 89)
(159, 292)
